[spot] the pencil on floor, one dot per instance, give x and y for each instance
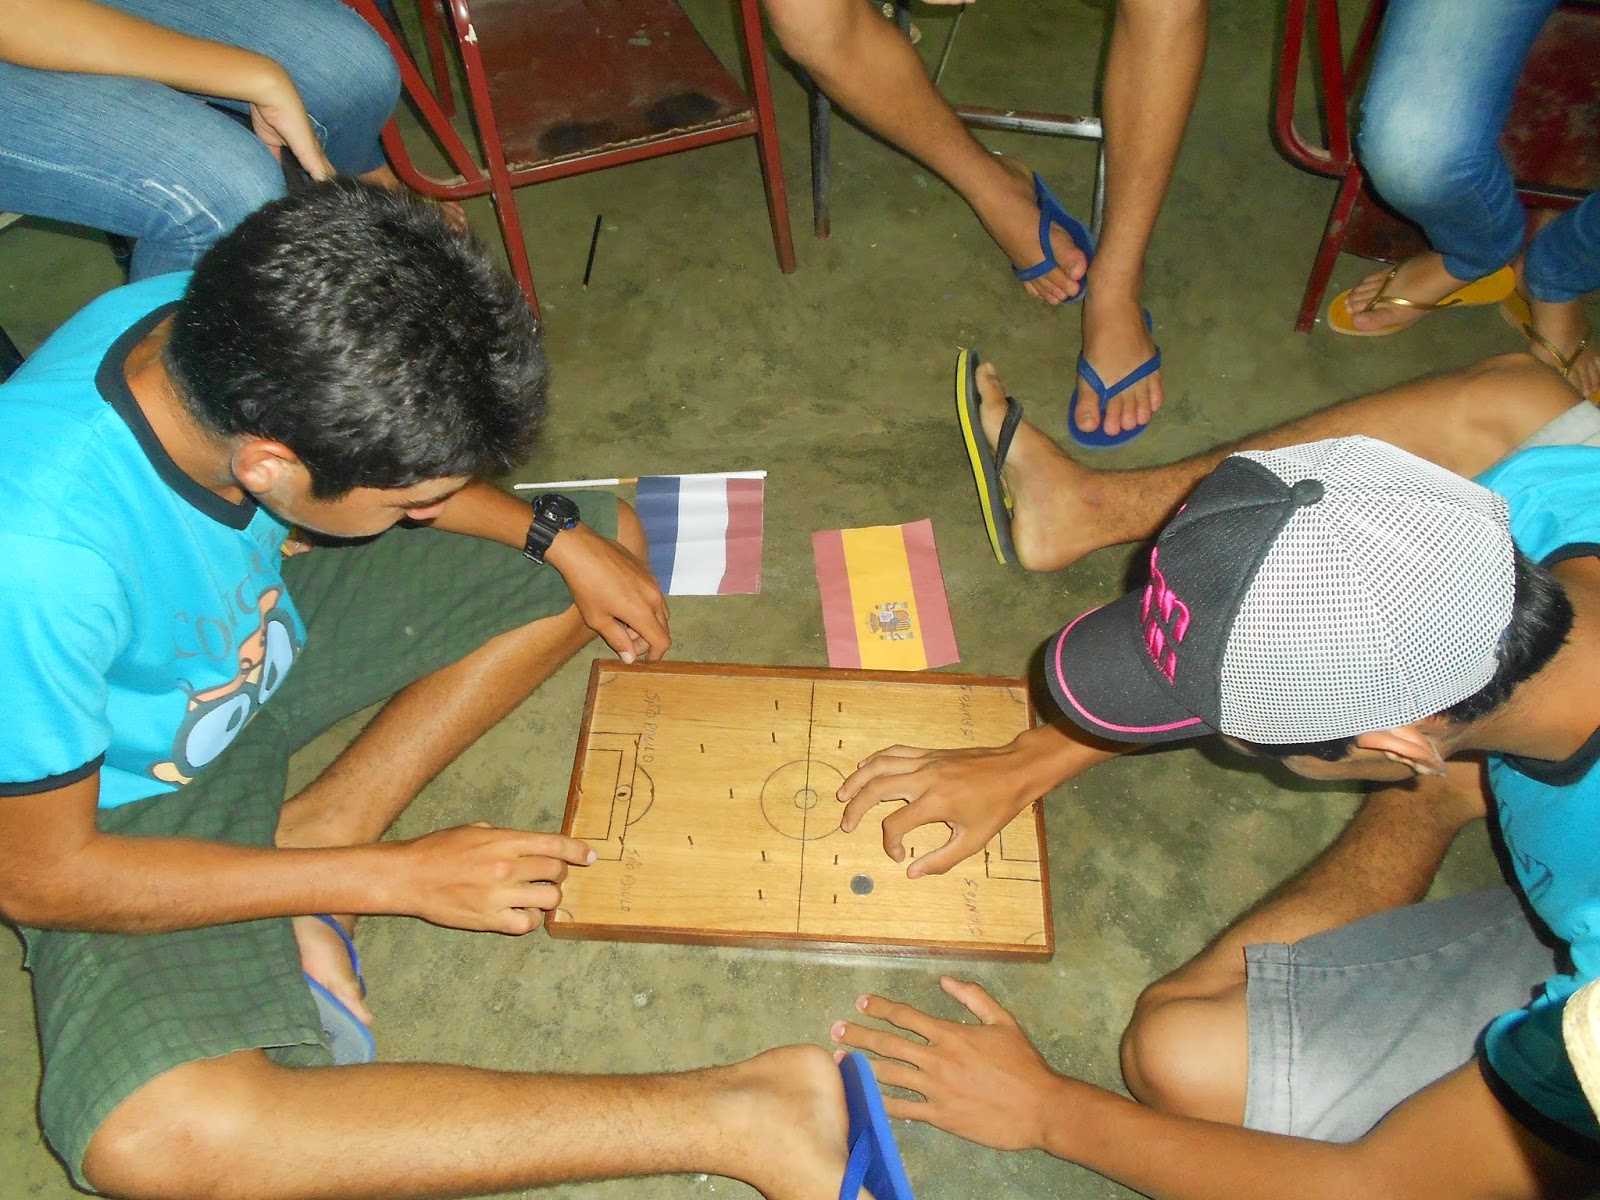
(594, 241)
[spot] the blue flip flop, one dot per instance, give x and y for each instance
(874, 1158)
(1097, 438)
(986, 466)
(1052, 212)
(348, 1036)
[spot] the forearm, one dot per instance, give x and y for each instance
(149, 885)
(1179, 1158)
(484, 511)
(1050, 755)
(88, 38)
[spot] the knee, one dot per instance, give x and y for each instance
(815, 33)
(186, 214)
(178, 1134)
(1416, 159)
(1187, 1054)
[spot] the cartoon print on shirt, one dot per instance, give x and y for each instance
(217, 714)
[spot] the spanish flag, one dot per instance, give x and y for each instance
(883, 600)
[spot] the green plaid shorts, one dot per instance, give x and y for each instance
(115, 1011)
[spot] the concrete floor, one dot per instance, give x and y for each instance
(690, 352)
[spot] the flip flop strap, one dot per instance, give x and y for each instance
(1106, 394)
(855, 1168)
(1027, 274)
(1008, 430)
(349, 946)
(1565, 363)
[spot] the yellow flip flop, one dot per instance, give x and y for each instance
(1491, 289)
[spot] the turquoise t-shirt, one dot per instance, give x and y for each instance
(1549, 813)
(143, 618)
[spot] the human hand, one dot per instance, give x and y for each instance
(984, 1082)
(616, 594)
(976, 792)
(278, 117)
(483, 878)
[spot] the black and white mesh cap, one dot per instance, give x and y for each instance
(1314, 592)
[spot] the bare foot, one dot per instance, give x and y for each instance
(1421, 278)
(1012, 219)
(454, 215)
(1565, 326)
(1058, 514)
(1116, 343)
(324, 958)
(786, 1124)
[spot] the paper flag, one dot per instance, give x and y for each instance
(883, 601)
(704, 532)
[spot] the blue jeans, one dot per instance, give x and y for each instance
(169, 169)
(1436, 103)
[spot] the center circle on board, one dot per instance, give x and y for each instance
(792, 799)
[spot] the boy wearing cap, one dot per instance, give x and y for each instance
(1360, 614)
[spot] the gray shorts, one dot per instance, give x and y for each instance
(1578, 426)
(1347, 1024)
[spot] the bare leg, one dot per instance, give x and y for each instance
(1152, 73)
(238, 1126)
(1186, 1049)
(414, 737)
(1464, 420)
(868, 67)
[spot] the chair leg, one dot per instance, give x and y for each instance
(821, 161)
(433, 34)
(505, 208)
(755, 48)
(1328, 250)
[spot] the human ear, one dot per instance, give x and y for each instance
(261, 465)
(1407, 744)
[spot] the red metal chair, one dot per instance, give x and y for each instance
(563, 87)
(1550, 138)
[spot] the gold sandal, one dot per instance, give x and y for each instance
(1491, 289)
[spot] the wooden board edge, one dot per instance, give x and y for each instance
(574, 787)
(847, 674)
(970, 951)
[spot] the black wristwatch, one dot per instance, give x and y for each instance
(552, 512)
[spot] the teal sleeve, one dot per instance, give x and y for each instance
(62, 619)
(1524, 1048)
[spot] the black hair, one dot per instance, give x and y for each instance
(349, 323)
(1541, 619)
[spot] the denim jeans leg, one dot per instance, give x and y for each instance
(1436, 103)
(1564, 257)
(342, 69)
(131, 157)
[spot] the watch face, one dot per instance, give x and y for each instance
(560, 510)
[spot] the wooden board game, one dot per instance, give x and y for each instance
(708, 793)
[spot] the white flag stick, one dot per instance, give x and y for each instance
(556, 485)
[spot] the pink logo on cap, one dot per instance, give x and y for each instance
(1166, 620)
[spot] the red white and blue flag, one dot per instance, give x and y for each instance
(705, 531)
